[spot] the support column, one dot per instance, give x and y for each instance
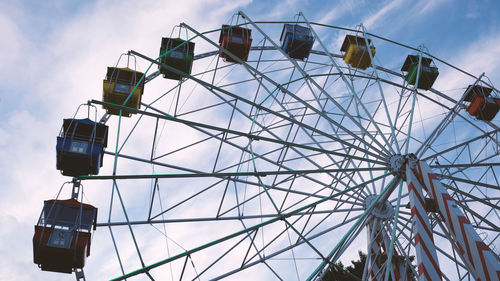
(379, 245)
(398, 268)
(483, 264)
(428, 266)
(374, 272)
(379, 240)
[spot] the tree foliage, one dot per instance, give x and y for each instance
(354, 272)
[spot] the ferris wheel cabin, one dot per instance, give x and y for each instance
(80, 147)
(180, 58)
(236, 40)
(118, 86)
(356, 51)
(428, 72)
(296, 41)
(63, 234)
(482, 105)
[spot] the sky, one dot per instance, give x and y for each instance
(54, 53)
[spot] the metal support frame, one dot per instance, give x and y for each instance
(246, 230)
(79, 274)
(382, 95)
(260, 74)
(288, 144)
(449, 117)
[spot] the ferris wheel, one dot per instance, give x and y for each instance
(273, 153)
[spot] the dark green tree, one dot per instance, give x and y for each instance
(354, 272)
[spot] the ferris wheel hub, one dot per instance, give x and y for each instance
(397, 163)
(382, 210)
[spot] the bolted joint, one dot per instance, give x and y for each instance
(282, 217)
(76, 188)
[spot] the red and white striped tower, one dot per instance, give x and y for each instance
(428, 266)
(485, 266)
(374, 250)
(379, 240)
(398, 268)
(379, 243)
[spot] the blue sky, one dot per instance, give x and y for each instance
(54, 53)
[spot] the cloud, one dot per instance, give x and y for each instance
(286, 9)
(424, 7)
(11, 49)
(373, 20)
(335, 12)
(473, 61)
